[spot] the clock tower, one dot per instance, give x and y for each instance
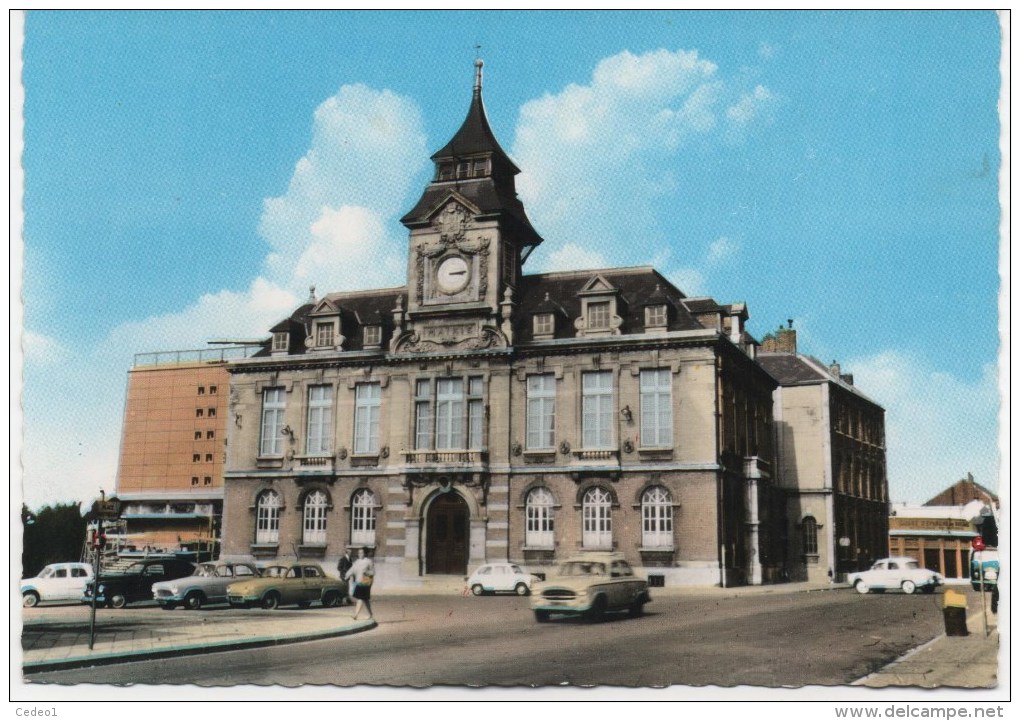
(469, 238)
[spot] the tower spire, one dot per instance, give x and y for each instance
(478, 75)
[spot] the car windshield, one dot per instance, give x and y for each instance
(46, 572)
(583, 568)
(206, 570)
(133, 568)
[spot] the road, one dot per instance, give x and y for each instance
(772, 640)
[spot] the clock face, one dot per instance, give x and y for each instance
(452, 275)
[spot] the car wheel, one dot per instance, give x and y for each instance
(521, 589)
(597, 612)
(331, 599)
(31, 598)
(908, 587)
(193, 601)
(542, 616)
(118, 600)
(271, 601)
(929, 589)
(477, 589)
(861, 587)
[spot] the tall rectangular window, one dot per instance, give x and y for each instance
(367, 400)
(476, 413)
(422, 413)
(597, 409)
(541, 411)
(655, 316)
(373, 335)
(449, 413)
(320, 414)
(657, 408)
(280, 341)
(544, 324)
(273, 404)
(598, 315)
(324, 335)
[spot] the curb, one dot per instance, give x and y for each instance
(107, 659)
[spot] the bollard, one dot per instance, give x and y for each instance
(954, 612)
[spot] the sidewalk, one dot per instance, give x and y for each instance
(53, 642)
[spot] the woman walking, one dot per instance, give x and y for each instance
(363, 572)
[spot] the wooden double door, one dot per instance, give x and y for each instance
(447, 535)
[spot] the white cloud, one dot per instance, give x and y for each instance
(766, 50)
(327, 229)
(599, 160)
(938, 427)
(367, 147)
(722, 249)
(690, 281)
(41, 348)
(574, 257)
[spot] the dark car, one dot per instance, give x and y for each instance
(118, 588)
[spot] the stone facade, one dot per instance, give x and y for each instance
(479, 413)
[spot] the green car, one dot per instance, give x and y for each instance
(298, 583)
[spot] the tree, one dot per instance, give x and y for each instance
(51, 535)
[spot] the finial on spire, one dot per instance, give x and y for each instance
(478, 72)
(311, 294)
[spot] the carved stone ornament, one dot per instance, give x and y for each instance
(342, 454)
(628, 446)
(488, 338)
(565, 448)
(451, 222)
(516, 448)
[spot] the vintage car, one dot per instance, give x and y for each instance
(499, 577)
(117, 588)
(590, 586)
(903, 573)
(984, 569)
(56, 582)
(283, 584)
(208, 584)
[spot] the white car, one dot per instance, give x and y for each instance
(901, 572)
(56, 582)
(496, 577)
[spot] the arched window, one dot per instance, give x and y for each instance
(539, 519)
(314, 533)
(597, 517)
(363, 518)
(656, 518)
(267, 518)
(809, 531)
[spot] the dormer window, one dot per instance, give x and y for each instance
(481, 168)
(281, 341)
(545, 325)
(373, 335)
(446, 171)
(655, 316)
(464, 169)
(598, 315)
(324, 335)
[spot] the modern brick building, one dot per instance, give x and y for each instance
(170, 471)
(480, 413)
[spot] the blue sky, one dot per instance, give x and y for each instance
(187, 176)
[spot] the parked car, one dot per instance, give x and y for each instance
(497, 577)
(591, 586)
(902, 573)
(208, 584)
(118, 588)
(56, 582)
(280, 585)
(985, 563)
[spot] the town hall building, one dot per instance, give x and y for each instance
(482, 413)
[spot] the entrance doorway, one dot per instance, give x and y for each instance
(446, 545)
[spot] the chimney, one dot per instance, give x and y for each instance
(784, 340)
(834, 369)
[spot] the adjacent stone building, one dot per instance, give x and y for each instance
(831, 445)
(481, 413)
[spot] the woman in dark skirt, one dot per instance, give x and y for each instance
(363, 572)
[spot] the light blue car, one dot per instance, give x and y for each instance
(207, 585)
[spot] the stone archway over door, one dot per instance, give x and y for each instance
(447, 540)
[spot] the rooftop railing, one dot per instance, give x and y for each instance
(200, 355)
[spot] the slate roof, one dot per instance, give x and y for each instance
(791, 369)
(633, 286)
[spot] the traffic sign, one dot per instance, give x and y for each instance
(977, 543)
(108, 510)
